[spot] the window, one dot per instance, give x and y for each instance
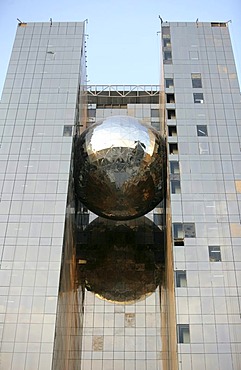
(198, 98)
(91, 113)
(189, 230)
(155, 113)
(183, 333)
(174, 167)
(181, 278)
(179, 243)
(165, 32)
(167, 42)
(175, 187)
(178, 231)
(202, 130)
(67, 130)
(167, 57)
(172, 130)
(171, 114)
(173, 148)
(216, 24)
(170, 98)
(169, 82)
(175, 177)
(181, 230)
(214, 254)
(196, 80)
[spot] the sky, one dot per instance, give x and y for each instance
(123, 39)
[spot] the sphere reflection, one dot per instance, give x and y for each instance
(122, 262)
(120, 168)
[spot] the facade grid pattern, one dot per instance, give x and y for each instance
(209, 173)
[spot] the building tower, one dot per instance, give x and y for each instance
(202, 106)
(38, 111)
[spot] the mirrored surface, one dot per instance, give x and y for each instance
(121, 262)
(120, 168)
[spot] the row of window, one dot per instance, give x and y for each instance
(198, 98)
(187, 230)
(167, 47)
(183, 331)
(175, 183)
(196, 81)
(173, 147)
(183, 230)
(183, 334)
(214, 256)
(202, 130)
(174, 165)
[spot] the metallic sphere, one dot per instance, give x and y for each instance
(120, 168)
(121, 261)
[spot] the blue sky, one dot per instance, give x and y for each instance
(123, 46)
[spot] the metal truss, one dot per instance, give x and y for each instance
(123, 90)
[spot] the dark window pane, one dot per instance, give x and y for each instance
(172, 130)
(170, 98)
(202, 130)
(214, 254)
(196, 80)
(169, 82)
(167, 42)
(175, 187)
(167, 56)
(179, 243)
(189, 230)
(198, 98)
(178, 231)
(171, 114)
(67, 130)
(174, 167)
(181, 278)
(183, 333)
(173, 148)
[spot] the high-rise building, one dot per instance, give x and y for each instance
(39, 108)
(157, 292)
(203, 116)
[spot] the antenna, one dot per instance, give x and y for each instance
(160, 19)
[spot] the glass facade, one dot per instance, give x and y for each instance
(207, 119)
(40, 98)
(157, 292)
